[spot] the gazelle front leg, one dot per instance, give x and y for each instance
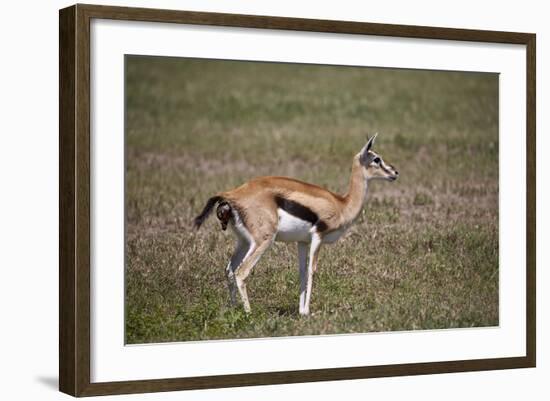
(302, 260)
(312, 265)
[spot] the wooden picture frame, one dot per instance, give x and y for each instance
(74, 200)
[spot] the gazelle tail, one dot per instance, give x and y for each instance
(206, 211)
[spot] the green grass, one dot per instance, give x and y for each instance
(424, 252)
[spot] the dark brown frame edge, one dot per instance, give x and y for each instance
(74, 199)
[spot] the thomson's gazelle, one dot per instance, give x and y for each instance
(268, 209)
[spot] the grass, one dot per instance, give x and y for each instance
(424, 252)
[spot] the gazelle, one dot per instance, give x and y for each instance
(267, 209)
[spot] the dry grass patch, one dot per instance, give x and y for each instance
(423, 254)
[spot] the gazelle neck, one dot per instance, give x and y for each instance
(355, 198)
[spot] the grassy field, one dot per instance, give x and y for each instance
(423, 254)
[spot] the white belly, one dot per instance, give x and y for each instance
(292, 229)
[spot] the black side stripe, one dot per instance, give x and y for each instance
(300, 211)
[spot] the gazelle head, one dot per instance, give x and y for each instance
(373, 165)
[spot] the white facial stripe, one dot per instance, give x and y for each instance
(385, 167)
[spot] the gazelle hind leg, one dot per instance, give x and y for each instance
(235, 261)
(302, 261)
(246, 267)
(312, 266)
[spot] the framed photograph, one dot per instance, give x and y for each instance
(250, 200)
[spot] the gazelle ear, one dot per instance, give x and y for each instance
(371, 142)
(366, 148)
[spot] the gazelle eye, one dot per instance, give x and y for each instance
(376, 160)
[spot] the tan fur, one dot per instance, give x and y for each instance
(255, 199)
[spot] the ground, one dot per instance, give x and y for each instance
(422, 255)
